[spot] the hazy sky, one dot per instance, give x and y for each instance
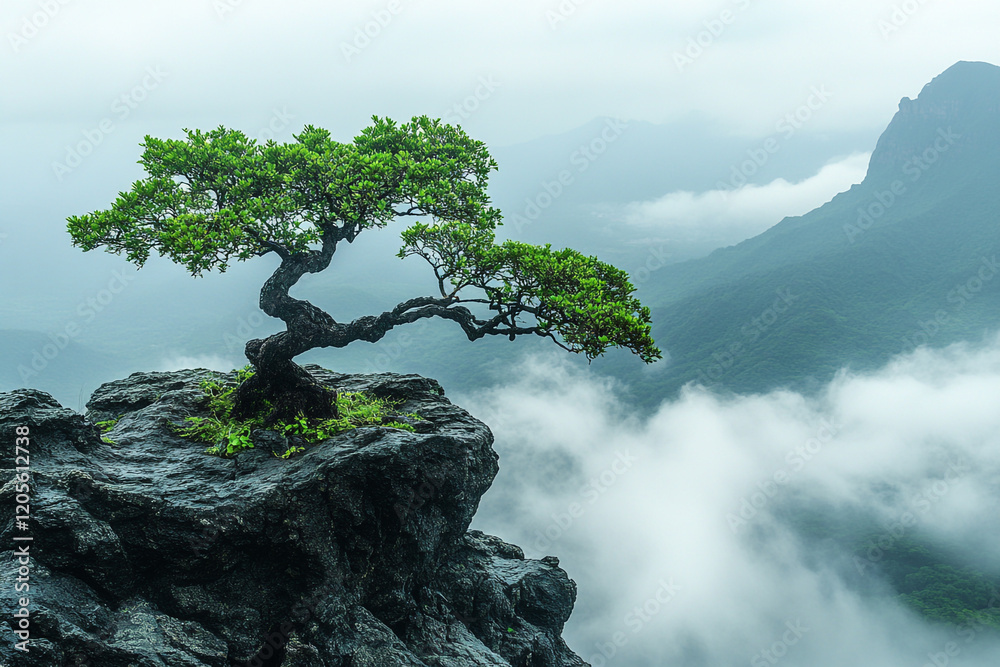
(549, 66)
(83, 82)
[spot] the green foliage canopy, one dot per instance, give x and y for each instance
(219, 196)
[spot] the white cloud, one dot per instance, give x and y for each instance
(212, 362)
(726, 217)
(656, 498)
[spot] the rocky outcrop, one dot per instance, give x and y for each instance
(952, 120)
(355, 553)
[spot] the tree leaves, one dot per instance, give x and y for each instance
(583, 302)
(219, 196)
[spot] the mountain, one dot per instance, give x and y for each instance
(907, 257)
(147, 551)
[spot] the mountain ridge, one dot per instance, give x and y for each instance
(920, 224)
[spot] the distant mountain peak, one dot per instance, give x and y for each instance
(881, 269)
(964, 80)
(962, 102)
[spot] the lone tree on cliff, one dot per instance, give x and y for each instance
(220, 196)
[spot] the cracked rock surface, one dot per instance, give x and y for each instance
(147, 552)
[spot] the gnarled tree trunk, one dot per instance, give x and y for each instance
(280, 389)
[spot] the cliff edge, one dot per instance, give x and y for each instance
(147, 552)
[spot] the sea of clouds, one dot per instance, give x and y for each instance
(678, 527)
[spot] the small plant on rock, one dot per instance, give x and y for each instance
(229, 435)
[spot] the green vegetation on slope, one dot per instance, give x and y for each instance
(935, 581)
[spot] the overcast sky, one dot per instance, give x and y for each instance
(552, 65)
(83, 82)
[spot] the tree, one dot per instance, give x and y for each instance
(219, 196)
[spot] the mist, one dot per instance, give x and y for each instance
(685, 530)
(727, 216)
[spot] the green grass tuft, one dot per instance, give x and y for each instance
(107, 425)
(229, 437)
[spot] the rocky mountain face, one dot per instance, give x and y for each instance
(147, 552)
(955, 114)
(906, 258)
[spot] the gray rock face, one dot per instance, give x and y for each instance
(147, 552)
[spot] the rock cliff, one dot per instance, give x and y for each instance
(354, 553)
